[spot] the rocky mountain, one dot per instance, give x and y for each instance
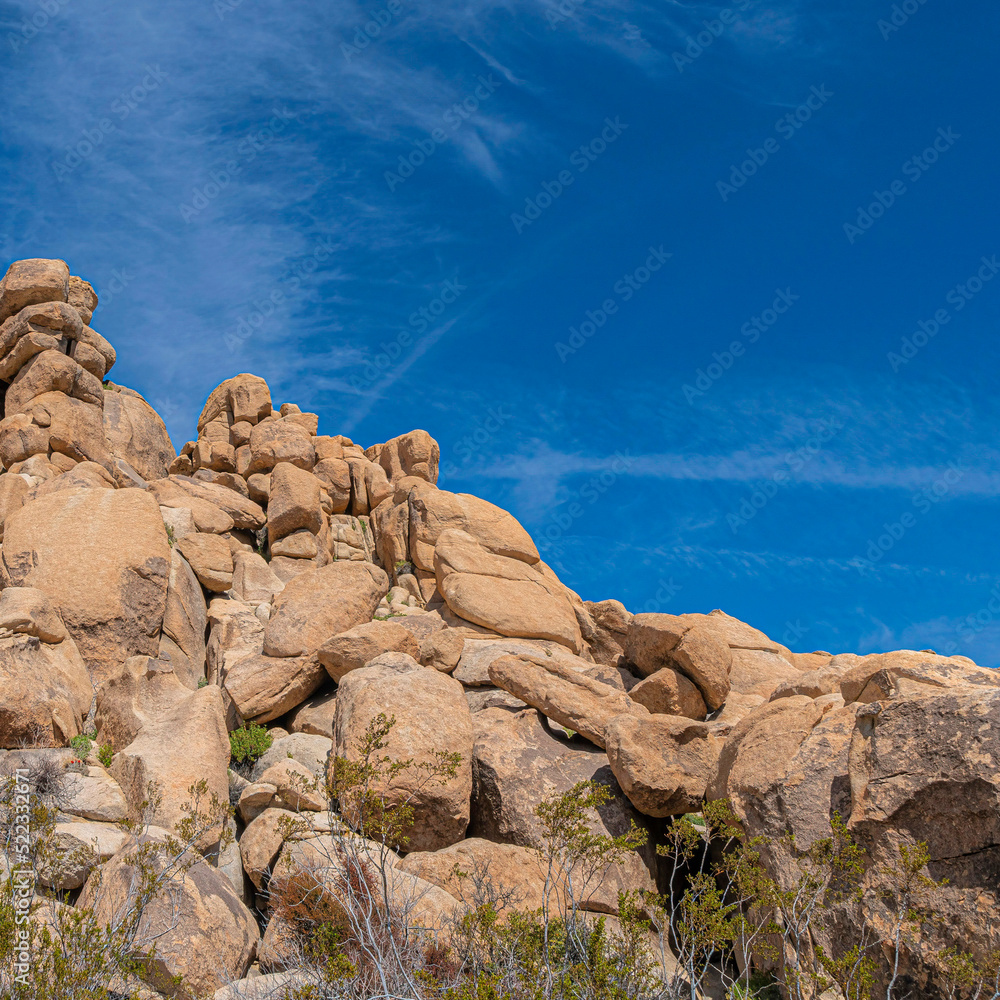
(275, 575)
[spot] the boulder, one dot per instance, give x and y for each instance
(211, 558)
(46, 689)
(276, 441)
(293, 503)
(354, 648)
(502, 593)
(311, 751)
(245, 514)
(261, 843)
(518, 762)
(77, 849)
(188, 743)
(31, 281)
(905, 673)
(243, 398)
(92, 795)
(263, 688)
(27, 611)
(136, 433)
(314, 716)
(478, 652)
(321, 603)
(926, 769)
(413, 454)
(185, 620)
(442, 649)
(296, 787)
(194, 905)
(102, 558)
(253, 581)
(431, 718)
(663, 762)
(433, 511)
(141, 690)
(608, 628)
(655, 641)
(669, 692)
(564, 694)
(515, 874)
(72, 427)
(12, 495)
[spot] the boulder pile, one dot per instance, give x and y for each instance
(273, 575)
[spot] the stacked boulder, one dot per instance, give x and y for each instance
(274, 575)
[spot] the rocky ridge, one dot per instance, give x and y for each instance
(272, 574)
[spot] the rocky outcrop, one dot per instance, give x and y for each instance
(269, 573)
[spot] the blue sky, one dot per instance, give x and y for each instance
(537, 230)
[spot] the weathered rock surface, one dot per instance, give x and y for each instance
(320, 603)
(352, 649)
(136, 434)
(503, 593)
(519, 763)
(904, 673)
(564, 694)
(45, 689)
(198, 905)
(432, 718)
(669, 692)
(663, 762)
(101, 556)
(187, 744)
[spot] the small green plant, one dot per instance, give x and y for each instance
(106, 754)
(202, 682)
(171, 537)
(250, 743)
(81, 744)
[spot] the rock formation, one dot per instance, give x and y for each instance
(273, 575)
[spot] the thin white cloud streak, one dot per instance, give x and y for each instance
(741, 467)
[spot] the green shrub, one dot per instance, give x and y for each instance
(81, 744)
(106, 754)
(250, 743)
